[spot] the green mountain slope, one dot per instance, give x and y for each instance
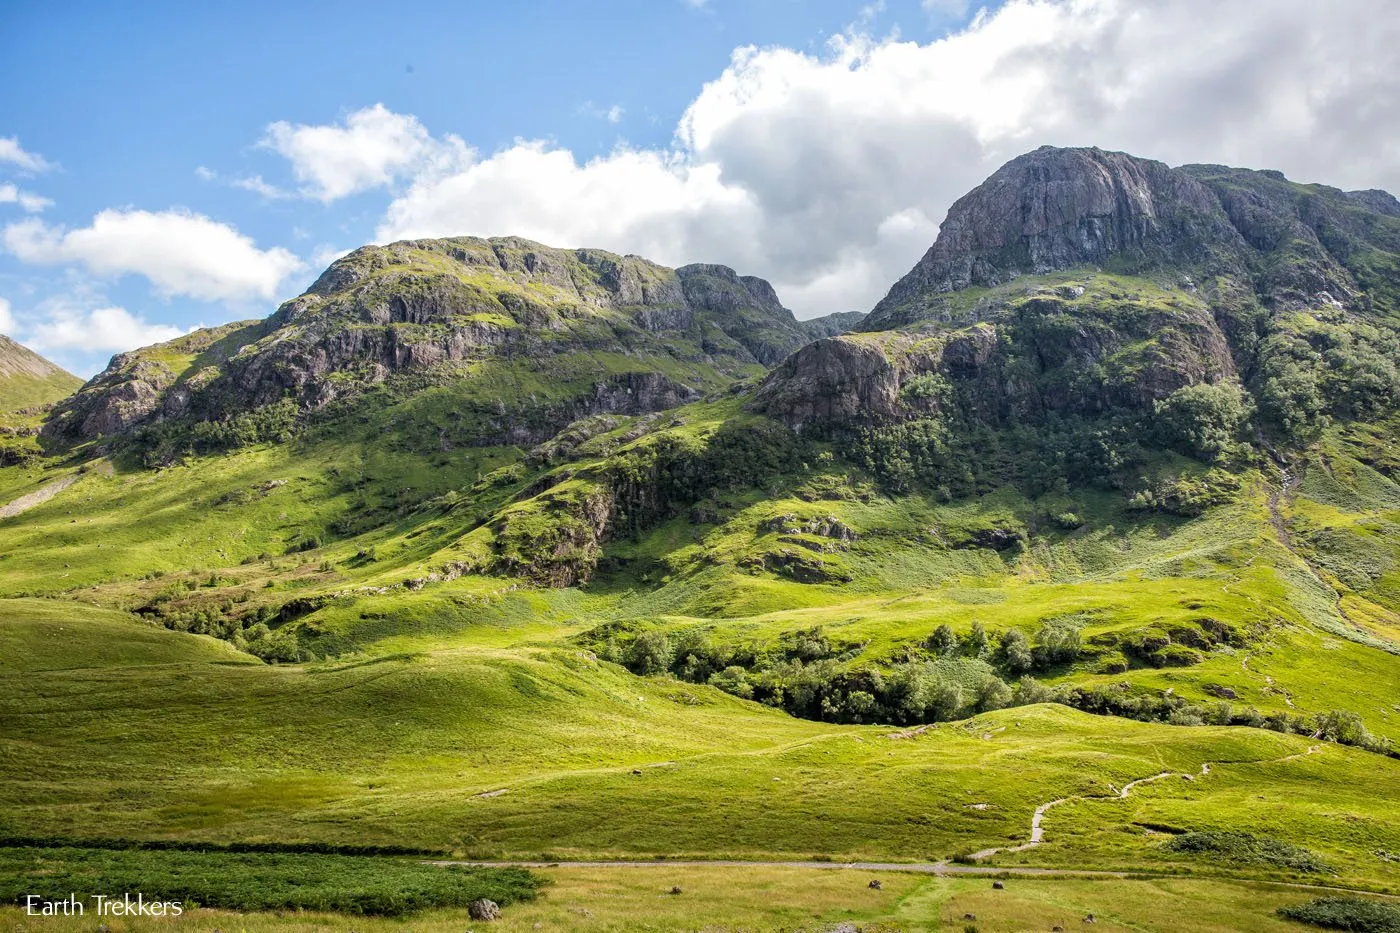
(524, 338)
(1105, 488)
(27, 380)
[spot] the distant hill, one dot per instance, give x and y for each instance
(830, 325)
(28, 380)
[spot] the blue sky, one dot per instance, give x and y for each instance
(166, 165)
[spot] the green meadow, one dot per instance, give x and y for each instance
(306, 644)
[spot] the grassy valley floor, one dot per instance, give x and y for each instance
(596, 900)
(478, 717)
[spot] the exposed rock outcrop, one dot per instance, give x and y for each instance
(832, 381)
(744, 307)
(1057, 209)
(1064, 208)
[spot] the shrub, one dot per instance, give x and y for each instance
(807, 645)
(1204, 420)
(1014, 652)
(1247, 848)
(1346, 913)
(733, 680)
(943, 642)
(975, 643)
(649, 653)
(1056, 642)
(272, 644)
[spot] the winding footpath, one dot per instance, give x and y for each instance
(940, 868)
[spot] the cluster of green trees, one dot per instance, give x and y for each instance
(1309, 375)
(250, 632)
(166, 442)
(807, 674)
(948, 677)
(966, 457)
(1186, 495)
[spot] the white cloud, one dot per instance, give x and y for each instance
(32, 203)
(371, 149)
(611, 114)
(827, 173)
(7, 319)
(181, 253)
(61, 327)
(638, 200)
(324, 255)
(952, 9)
(256, 185)
(11, 151)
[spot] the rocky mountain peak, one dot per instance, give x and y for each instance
(1054, 209)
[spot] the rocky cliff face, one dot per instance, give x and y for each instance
(1078, 281)
(1079, 348)
(745, 308)
(657, 337)
(1058, 209)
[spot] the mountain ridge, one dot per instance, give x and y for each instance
(460, 307)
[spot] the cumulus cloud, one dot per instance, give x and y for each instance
(828, 173)
(7, 319)
(13, 153)
(372, 148)
(181, 253)
(638, 200)
(32, 203)
(63, 327)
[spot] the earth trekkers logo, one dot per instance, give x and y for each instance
(103, 905)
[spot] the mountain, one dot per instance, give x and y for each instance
(529, 338)
(27, 380)
(1056, 209)
(1087, 284)
(609, 560)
